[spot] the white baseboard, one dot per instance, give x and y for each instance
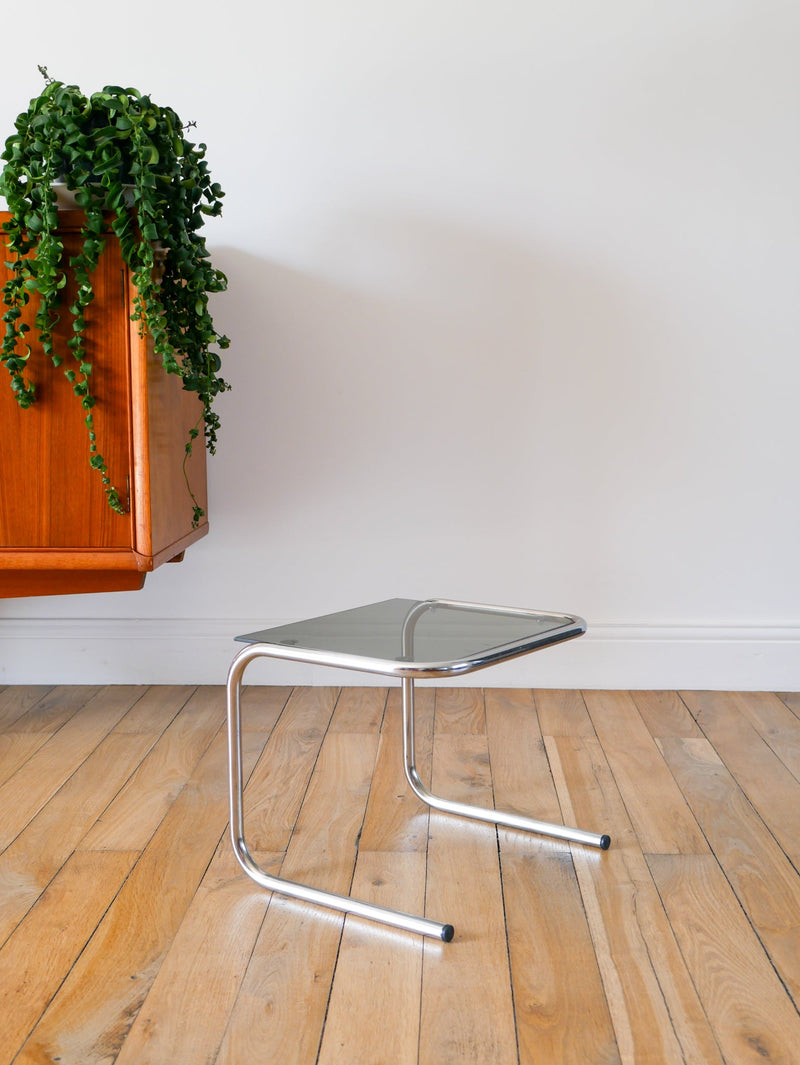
(199, 651)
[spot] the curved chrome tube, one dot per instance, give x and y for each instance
(480, 813)
(407, 670)
(344, 903)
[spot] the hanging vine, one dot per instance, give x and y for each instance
(132, 170)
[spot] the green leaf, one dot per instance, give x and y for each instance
(107, 165)
(100, 142)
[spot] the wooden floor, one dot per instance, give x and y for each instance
(128, 933)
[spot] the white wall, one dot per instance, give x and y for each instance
(514, 310)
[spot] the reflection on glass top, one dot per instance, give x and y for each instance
(417, 632)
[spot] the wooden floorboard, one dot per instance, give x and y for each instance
(130, 935)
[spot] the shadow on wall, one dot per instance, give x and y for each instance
(429, 403)
(421, 357)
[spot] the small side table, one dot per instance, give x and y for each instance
(409, 639)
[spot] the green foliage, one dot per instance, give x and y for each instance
(130, 166)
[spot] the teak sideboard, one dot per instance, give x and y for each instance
(57, 533)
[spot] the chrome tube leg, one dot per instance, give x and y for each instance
(343, 903)
(480, 813)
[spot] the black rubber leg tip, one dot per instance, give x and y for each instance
(447, 932)
(605, 843)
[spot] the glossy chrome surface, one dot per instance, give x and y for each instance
(402, 619)
(418, 638)
(395, 918)
(480, 813)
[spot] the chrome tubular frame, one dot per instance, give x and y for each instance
(480, 813)
(406, 670)
(344, 903)
(461, 809)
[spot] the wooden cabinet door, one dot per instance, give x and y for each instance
(57, 533)
(49, 495)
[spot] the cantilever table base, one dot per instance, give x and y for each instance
(408, 639)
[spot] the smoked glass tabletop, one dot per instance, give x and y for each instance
(417, 638)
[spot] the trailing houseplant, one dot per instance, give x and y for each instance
(132, 170)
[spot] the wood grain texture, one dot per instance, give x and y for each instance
(57, 533)
(322, 852)
(29, 863)
(560, 1004)
(280, 1011)
(460, 710)
(655, 1011)
(46, 944)
(561, 1010)
(90, 1016)
(359, 710)
(23, 795)
(55, 708)
(18, 700)
(209, 955)
(168, 952)
(661, 817)
(138, 808)
(324, 842)
(465, 1017)
(666, 714)
(47, 572)
(261, 707)
(380, 987)
(520, 771)
(278, 785)
(768, 784)
(396, 820)
(775, 723)
(49, 495)
(726, 962)
(15, 750)
(162, 415)
(563, 713)
(461, 765)
(158, 707)
(759, 872)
